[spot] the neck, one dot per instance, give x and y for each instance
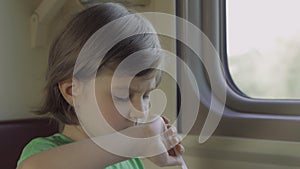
(74, 132)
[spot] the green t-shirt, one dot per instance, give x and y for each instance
(41, 144)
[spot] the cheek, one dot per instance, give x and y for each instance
(111, 114)
(106, 106)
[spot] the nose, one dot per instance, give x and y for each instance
(139, 108)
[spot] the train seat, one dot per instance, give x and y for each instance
(15, 134)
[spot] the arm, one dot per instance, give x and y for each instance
(88, 155)
(77, 155)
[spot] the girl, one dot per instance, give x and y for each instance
(73, 148)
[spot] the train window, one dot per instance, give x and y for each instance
(263, 38)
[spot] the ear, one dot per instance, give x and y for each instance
(69, 88)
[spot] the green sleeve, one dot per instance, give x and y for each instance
(38, 145)
(41, 144)
(33, 147)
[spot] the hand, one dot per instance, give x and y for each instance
(169, 140)
(179, 147)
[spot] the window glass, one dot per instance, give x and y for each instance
(263, 47)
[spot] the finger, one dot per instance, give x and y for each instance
(173, 141)
(180, 148)
(166, 120)
(171, 131)
(173, 160)
(172, 152)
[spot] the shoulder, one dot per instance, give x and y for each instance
(41, 144)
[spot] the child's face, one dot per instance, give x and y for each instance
(110, 95)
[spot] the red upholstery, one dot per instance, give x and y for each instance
(15, 134)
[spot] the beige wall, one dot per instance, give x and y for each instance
(21, 68)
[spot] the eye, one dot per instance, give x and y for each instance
(146, 96)
(121, 99)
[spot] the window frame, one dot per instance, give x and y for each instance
(243, 116)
